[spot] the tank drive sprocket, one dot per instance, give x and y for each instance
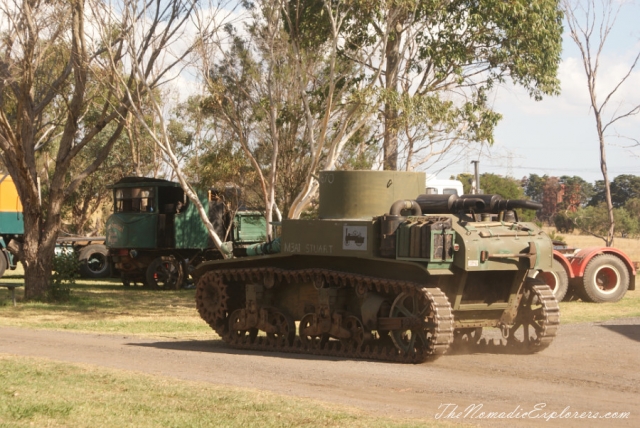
(212, 302)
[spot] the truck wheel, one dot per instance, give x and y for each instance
(606, 279)
(94, 261)
(165, 273)
(3, 263)
(557, 279)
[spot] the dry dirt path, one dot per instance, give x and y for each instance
(589, 368)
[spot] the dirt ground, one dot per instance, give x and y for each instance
(593, 367)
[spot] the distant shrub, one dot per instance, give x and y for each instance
(563, 223)
(65, 272)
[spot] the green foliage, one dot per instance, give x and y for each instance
(534, 186)
(633, 207)
(507, 187)
(623, 188)
(555, 237)
(65, 272)
(595, 220)
(577, 192)
(563, 222)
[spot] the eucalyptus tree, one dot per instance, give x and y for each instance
(439, 59)
(590, 25)
(288, 98)
(45, 107)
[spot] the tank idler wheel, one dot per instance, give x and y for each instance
(165, 273)
(418, 337)
(354, 325)
(237, 328)
(466, 339)
(537, 320)
(212, 301)
(285, 329)
(311, 341)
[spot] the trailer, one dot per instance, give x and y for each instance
(11, 222)
(594, 274)
(91, 251)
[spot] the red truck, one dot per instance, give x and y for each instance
(595, 274)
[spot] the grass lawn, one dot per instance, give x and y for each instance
(36, 392)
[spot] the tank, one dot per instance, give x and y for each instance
(387, 272)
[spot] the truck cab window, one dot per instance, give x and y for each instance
(134, 199)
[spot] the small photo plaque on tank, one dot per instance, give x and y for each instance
(354, 238)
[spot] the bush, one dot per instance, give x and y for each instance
(555, 237)
(595, 220)
(563, 223)
(64, 275)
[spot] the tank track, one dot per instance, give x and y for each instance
(216, 313)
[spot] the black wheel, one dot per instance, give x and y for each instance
(94, 261)
(557, 279)
(606, 279)
(165, 273)
(3, 263)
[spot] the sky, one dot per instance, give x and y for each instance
(557, 136)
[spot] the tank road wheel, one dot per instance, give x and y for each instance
(236, 331)
(429, 329)
(557, 279)
(285, 329)
(165, 273)
(212, 301)
(537, 320)
(354, 325)
(309, 340)
(606, 279)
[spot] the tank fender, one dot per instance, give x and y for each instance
(369, 310)
(566, 264)
(583, 257)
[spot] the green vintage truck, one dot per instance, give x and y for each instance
(156, 237)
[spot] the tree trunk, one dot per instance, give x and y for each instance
(607, 184)
(37, 253)
(390, 144)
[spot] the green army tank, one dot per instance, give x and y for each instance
(386, 272)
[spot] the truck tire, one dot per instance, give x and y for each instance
(557, 279)
(94, 261)
(3, 262)
(606, 279)
(165, 273)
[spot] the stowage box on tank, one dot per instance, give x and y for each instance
(387, 272)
